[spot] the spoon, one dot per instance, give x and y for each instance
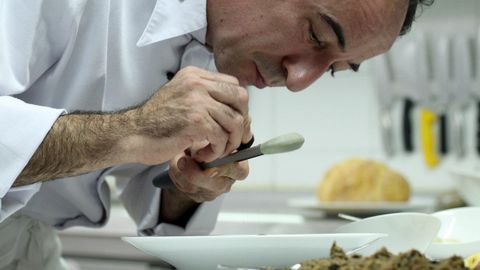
(281, 144)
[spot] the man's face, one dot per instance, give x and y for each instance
(293, 42)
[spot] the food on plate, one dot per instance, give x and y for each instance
(382, 260)
(473, 262)
(439, 240)
(360, 179)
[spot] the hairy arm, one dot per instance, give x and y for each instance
(195, 106)
(80, 143)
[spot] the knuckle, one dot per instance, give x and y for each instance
(238, 120)
(190, 69)
(243, 171)
(196, 119)
(192, 81)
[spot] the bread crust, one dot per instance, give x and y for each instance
(360, 179)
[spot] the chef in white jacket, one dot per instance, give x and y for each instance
(96, 88)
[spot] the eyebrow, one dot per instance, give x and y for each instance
(337, 29)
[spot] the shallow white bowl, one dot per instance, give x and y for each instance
(405, 231)
(459, 233)
(467, 183)
(206, 252)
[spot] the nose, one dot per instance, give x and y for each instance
(302, 71)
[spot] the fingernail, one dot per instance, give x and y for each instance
(213, 174)
(182, 163)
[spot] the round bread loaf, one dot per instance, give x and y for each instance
(360, 179)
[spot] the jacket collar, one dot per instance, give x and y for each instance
(173, 18)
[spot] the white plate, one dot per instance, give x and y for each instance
(362, 208)
(206, 252)
(405, 231)
(458, 234)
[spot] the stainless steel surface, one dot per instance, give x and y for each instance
(458, 133)
(384, 84)
(386, 124)
(462, 70)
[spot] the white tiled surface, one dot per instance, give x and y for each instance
(338, 118)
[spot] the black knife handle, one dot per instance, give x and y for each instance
(408, 107)
(246, 145)
(443, 134)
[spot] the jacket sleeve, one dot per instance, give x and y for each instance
(142, 201)
(33, 36)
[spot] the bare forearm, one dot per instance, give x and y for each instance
(77, 144)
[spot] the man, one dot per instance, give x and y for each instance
(96, 88)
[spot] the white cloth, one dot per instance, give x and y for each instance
(28, 244)
(89, 55)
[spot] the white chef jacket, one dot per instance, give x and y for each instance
(60, 56)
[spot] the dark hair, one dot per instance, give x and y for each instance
(411, 13)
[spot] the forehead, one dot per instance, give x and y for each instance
(370, 26)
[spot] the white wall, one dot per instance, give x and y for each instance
(339, 119)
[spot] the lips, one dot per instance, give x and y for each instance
(260, 81)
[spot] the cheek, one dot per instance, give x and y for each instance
(233, 64)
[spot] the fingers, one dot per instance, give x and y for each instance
(218, 140)
(205, 185)
(232, 125)
(238, 126)
(217, 109)
(247, 132)
(230, 94)
(230, 112)
(224, 88)
(235, 170)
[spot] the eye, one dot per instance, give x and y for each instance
(314, 39)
